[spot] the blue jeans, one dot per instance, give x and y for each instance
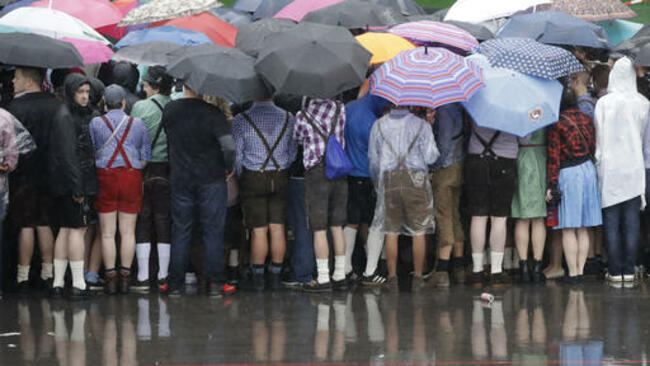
(622, 224)
(303, 258)
(211, 202)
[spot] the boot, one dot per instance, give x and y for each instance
(125, 280)
(537, 273)
(110, 283)
(524, 271)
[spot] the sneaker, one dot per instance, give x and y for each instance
(232, 273)
(163, 285)
(374, 280)
(215, 290)
(174, 292)
(190, 278)
(141, 287)
(291, 283)
(314, 286)
(612, 278)
(228, 289)
(441, 279)
(629, 278)
(341, 285)
(392, 285)
(476, 278)
(274, 283)
(95, 286)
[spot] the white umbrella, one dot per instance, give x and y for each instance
(51, 23)
(477, 11)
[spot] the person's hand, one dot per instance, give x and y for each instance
(431, 116)
(230, 176)
(4, 168)
(79, 199)
(549, 196)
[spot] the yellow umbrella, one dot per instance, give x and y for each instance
(383, 46)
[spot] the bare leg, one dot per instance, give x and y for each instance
(522, 237)
(107, 227)
(338, 239)
(570, 245)
(278, 243)
(76, 244)
(419, 250)
(391, 254)
(62, 243)
(583, 249)
(127, 238)
(259, 245)
(321, 249)
(45, 243)
(478, 229)
(498, 233)
(554, 268)
(95, 260)
(539, 238)
(25, 246)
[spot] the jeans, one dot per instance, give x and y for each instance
(622, 222)
(303, 259)
(211, 202)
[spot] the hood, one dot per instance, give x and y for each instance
(96, 90)
(622, 78)
(71, 83)
(375, 104)
(126, 76)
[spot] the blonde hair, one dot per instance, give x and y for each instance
(221, 104)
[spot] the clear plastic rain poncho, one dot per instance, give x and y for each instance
(15, 140)
(401, 148)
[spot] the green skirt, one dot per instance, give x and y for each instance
(529, 200)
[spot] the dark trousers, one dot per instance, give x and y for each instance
(621, 223)
(210, 199)
(303, 259)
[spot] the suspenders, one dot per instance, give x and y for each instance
(120, 144)
(270, 150)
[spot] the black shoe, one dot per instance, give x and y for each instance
(215, 290)
(174, 292)
(537, 274)
(46, 285)
(314, 286)
(275, 283)
(476, 278)
(56, 292)
(499, 279)
(257, 283)
(341, 285)
(571, 280)
(141, 287)
(78, 294)
(524, 271)
(22, 288)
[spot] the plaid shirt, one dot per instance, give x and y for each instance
(322, 113)
(565, 141)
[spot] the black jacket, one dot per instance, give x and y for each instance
(72, 157)
(35, 111)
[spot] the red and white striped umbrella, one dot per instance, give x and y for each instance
(427, 77)
(432, 33)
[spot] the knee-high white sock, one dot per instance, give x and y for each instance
(164, 252)
(374, 245)
(78, 333)
(496, 261)
(477, 262)
(60, 266)
(142, 253)
(339, 268)
(323, 268)
(46, 271)
(233, 258)
(77, 269)
(350, 236)
(144, 325)
(23, 273)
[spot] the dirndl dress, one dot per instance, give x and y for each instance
(580, 205)
(529, 199)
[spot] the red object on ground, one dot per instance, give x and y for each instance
(220, 32)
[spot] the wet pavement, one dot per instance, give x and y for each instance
(592, 324)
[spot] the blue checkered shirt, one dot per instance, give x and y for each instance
(251, 152)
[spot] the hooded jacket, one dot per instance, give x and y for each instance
(620, 119)
(71, 161)
(127, 76)
(361, 115)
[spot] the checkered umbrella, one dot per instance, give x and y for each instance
(594, 10)
(158, 10)
(432, 33)
(528, 56)
(427, 77)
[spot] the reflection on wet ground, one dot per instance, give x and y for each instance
(525, 325)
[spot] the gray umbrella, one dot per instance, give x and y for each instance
(223, 72)
(406, 7)
(250, 37)
(478, 31)
(148, 54)
(26, 49)
(355, 14)
(232, 16)
(630, 47)
(314, 60)
(643, 58)
(268, 8)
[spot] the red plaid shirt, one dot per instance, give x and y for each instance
(573, 137)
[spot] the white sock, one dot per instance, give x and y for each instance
(323, 318)
(233, 258)
(477, 262)
(350, 236)
(164, 252)
(144, 326)
(60, 266)
(496, 262)
(46, 271)
(322, 266)
(375, 323)
(339, 268)
(339, 315)
(23, 273)
(375, 244)
(163, 320)
(77, 269)
(60, 330)
(142, 253)
(78, 333)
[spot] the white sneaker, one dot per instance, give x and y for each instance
(629, 278)
(611, 278)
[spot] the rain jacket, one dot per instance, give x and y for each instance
(71, 167)
(127, 76)
(620, 119)
(361, 115)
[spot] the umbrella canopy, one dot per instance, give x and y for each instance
(632, 46)
(13, 5)
(95, 13)
(92, 52)
(220, 32)
(35, 50)
(426, 32)
(232, 16)
(530, 57)
(427, 77)
(383, 46)
(180, 36)
(223, 72)
(643, 57)
(314, 60)
(405, 7)
(51, 23)
(297, 9)
(620, 30)
(556, 27)
(355, 14)
(478, 31)
(251, 37)
(247, 5)
(594, 10)
(513, 102)
(148, 54)
(158, 10)
(268, 8)
(476, 11)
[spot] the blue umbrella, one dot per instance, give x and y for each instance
(247, 5)
(183, 37)
(620, 30)
(556, 27)
(530, 57)
(232, 16)
(17, 4)
(268, 8)
(513, 102)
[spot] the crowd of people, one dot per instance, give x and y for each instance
(240, 195)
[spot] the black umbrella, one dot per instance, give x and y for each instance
(250, 37)
(631, 47)
(406, 7)
(149, 53)
(355, 14)
(222, 72)
(643, 57)
(314, 60)
(26, 49)
(268, 8)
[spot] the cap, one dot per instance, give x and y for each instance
(114, 95)
(157, 76)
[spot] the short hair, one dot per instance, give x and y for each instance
(117, 106)
(600, 76)
(37, 75)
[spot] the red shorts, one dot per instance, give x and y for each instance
(120, 189)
